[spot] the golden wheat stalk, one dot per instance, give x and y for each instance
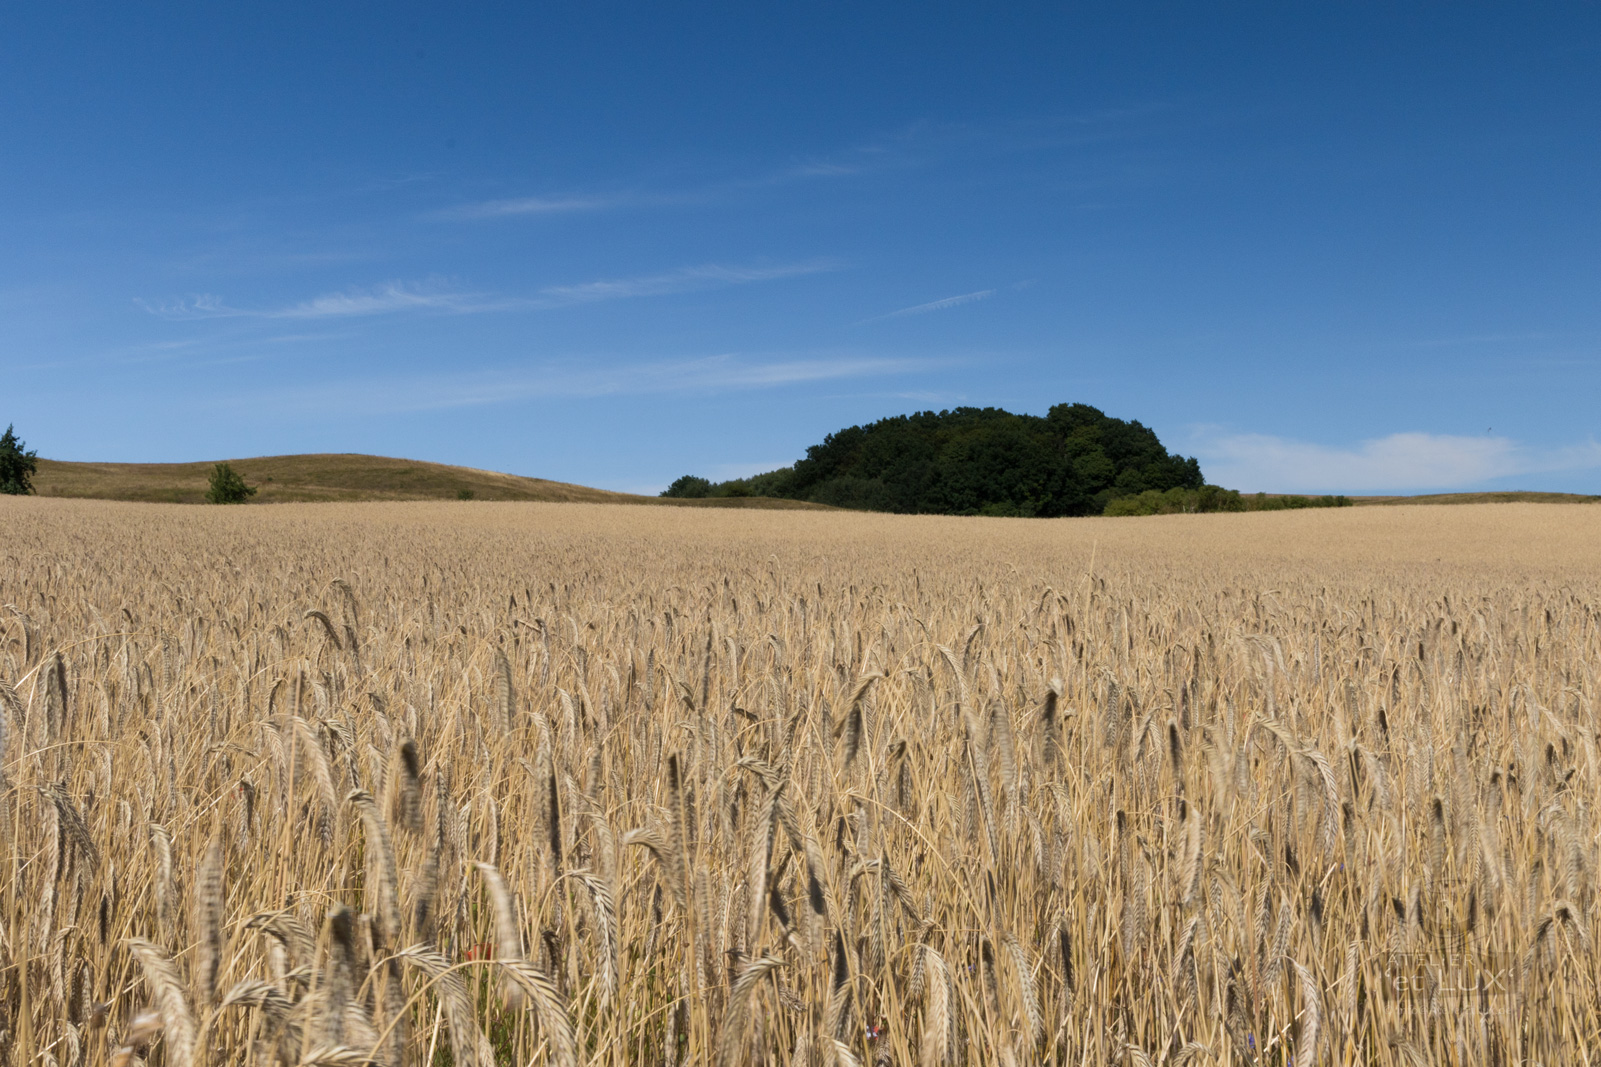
(730, 1047)
(935, 1041)
(177, 1018)
(468, 1046)
(384, 877)
(554, 1021)
(209, 922)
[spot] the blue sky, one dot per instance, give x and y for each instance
(1342, 248)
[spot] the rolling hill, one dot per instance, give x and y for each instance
(1512, 497)
(336, 476)
(351, 476)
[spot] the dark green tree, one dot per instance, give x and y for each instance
(981, 461)
(689, 486)
(227, 487)
(17, 464)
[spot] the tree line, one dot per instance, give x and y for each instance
(1074, 460)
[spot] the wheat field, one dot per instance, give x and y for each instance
(481, 784)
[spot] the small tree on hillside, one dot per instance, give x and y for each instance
(17, 464)
(227, 487)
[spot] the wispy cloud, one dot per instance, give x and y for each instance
(707, 375)
(682, 280)
(1110, 150)
(818, 169)
(936, 305)
(1402, 462)
(392, 297)
(917, 145)
(856, 162)
(186, 351)
(382, 299)
(529, 205)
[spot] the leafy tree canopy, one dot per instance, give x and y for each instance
(17, 464)
(975, 461)
(688, 486)
(227, 487)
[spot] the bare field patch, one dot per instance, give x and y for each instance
(423, 783)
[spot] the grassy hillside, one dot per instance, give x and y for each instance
(1479, 498)
(349, 476)
(334, 477)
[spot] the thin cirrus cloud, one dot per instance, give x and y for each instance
(936, 305)
(384, 299)
(682, 280)
(533, 206)
(1401, 462)
(528, 205)
(705, 375)
(395, 297)
(916, 145)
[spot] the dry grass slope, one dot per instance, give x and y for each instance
(1515, 497)
(413, 784)
(332, 477)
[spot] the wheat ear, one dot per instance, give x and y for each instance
(161, 841)
(548, 1006)
(852, 725)
(1306, 1055)
(505, 695)
(208, 922)
(935, 1046)
(288, 931)
(72, 825)
(732, 1042)
(1138, 1055)
(336, 1056)
(605, 930)
(1048, 724)
(177, 1020)
(508, 942)
(466, 1040)
(281, 1032)
(317, 756)
(1003, 742)
(381, 864)
(337, 980)
(1025, 983)
(409, 787)
(12, 708)
(1190, 863)
(327, 626)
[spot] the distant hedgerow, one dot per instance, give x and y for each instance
(1214, 498)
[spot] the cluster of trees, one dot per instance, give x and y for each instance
(1075, 460)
